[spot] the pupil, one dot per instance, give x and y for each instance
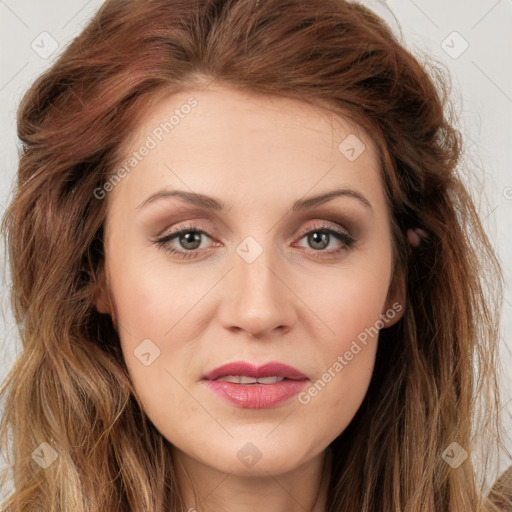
(190, 238)
(320, 237)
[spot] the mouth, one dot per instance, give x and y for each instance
(245, 385)
(248, 373)
(244, 379)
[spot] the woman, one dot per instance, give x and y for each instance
(330, 335)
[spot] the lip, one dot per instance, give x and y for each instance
(273, 368)
(256, 396)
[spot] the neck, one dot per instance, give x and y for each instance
(205, 489)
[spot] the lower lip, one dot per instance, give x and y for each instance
(256, 396)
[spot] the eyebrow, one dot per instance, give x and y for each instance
(211, 203)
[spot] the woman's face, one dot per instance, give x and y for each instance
(255, 277)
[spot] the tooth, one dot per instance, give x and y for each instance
(270, 380)
(237, 379)
(242, 379)
(247, 380)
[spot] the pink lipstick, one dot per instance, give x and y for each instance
(255, 387)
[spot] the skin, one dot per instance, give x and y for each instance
(258, 154)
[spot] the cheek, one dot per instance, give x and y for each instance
(154, 307)
(152, 294)
(154, 336)
(349, 308)
(345, 366)
(347, 301)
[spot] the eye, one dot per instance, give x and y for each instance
(189, 238)
(320, 236)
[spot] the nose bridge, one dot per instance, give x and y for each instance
(254, 273)
(258, 298)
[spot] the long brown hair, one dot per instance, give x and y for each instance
(435, 379)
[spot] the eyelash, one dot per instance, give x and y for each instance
(163, 242)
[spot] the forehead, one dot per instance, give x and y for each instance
(222, 140)
(219, 107)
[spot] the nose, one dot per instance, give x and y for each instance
(257, 299)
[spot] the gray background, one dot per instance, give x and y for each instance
(482, 91)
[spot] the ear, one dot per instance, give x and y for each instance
(395, 302)
(100, 293)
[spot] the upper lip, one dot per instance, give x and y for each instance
(271, 369)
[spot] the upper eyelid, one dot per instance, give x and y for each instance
(186, 211)
(325, 224)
